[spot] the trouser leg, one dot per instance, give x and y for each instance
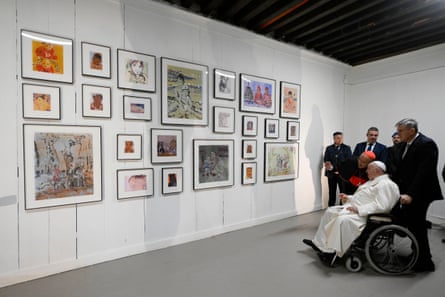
(332, 183)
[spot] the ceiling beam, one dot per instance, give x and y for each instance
(385, 24)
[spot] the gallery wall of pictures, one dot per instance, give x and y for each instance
(128, 142)
(64, 161)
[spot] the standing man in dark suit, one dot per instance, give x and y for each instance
(334, 154)
(416, 176)
(371, 144)
(393, 154)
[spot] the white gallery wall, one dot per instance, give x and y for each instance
(48, 240)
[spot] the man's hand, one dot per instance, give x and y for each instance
(405, 199)
(343, 197)
(352, 209)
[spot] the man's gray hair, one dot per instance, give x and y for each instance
(409, 123)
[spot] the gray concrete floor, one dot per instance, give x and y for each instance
(267, 260)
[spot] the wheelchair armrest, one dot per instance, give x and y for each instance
(381, 217)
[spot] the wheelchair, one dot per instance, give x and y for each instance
(387, 246)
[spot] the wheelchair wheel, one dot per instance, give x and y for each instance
(392, 250)
(354, 263)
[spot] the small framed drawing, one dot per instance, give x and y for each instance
(271, 128)
(223, 119)
(62, 165)
(290, 100)
(249, 149)
(184, 93)
(129, 146)
(133, 183)
(136, 71)
(166, 146)
(293, 130)
(172, 180)
(46, 57)
(281, 161)
(40, 102)
(257, 94)
(213, 163)
(137, 108)
(96, 60)
(250, 125)
(96, 101)
(248, 174)
(224, 84)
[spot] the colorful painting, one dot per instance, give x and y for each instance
(136, 71)
(248, 174)
(96, 60)
(172, 180)
(257, 94)
(166, 146)
(281, 161)
(46, 57)
(290, 100)
(185, 93)
(137, 108)
(133, 183)
(213, 163)
(62, 165)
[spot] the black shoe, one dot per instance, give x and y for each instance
(424, 266)
(328, 258)
(312, 245)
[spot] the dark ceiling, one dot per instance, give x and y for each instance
(352, 31)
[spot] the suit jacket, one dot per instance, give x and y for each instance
(394, 158)
(336, 156)
(416, 175)
(379, 150)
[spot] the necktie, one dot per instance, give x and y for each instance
(369, 147)
(406, 149)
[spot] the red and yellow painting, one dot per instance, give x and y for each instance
(47, 57)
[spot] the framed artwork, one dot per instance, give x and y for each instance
(293, 130)
(62, 165)
(137, 108)
(223, 119)
(249, 149)
(96, 101)
(248, 173)
(224, 84)
(40, 102)
(136, 71)
(129, 146)
(281, 161)
(250, 125)
(271, 128)
(46, 57)
(257, 94)
(172, 180)
(166, 146)
(184, 93)
(96, 60)
(133, 183)
(290, 100)
(213, 163)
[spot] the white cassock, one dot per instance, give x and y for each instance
(339, 227)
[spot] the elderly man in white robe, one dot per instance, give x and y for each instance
(341, 225)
